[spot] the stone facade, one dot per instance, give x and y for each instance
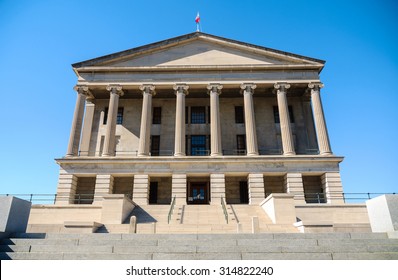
(199, 118)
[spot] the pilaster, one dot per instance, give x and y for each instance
(179, 188)
(141, 189)
(294, 185)
(87, 126)
(333, 188)
(66, 190)
(255, 183)
(217, 188)
(103, 186)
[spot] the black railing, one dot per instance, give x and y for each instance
(224, 208)
(173, 203)
(88, 198)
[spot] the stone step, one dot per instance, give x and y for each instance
(200, 246)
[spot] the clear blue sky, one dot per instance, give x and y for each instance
(39, 40)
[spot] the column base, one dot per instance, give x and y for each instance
(107, 155)
(252, 154)
(180, 155)
(216, 154)
(289, 154)
(326, 153)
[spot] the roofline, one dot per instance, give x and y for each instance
(185, 37)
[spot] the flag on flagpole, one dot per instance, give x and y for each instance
(197, 19)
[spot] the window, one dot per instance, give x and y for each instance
(276, 114)
(119, 117)
(198, 145)
(157, 115)
(239, 116)
(105, 115)
(198, 115)
(155, 145)
(240, 144)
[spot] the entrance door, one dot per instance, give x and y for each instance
(153, 193)
(244, 192)
(198, 193)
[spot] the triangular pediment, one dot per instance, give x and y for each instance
(198, 50)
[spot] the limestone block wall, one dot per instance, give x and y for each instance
(338, 214)
(123, 185)
(164, 189)
(232, 188)
(274, 184)
(54, 214)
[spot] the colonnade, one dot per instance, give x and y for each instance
(81, 133)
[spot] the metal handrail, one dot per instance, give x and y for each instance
(173, 202)
(224, 208)
(88, 198)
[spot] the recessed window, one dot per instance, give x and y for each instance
(198, 145)
(276, 114)
(157, 115)
(198, 115)
(240, 144)
(239, 116)
(155, 145)
(119, 118)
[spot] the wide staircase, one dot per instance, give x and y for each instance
(262, 246)
(199, 219)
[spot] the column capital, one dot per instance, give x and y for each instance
(248, 87)
(148, 89)
(116, 89)
(214, 88)
(281, 86)
(83, 89)
(315, 86)
(181, 88)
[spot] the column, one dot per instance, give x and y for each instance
(179, 142)
(333, 188)
(109, 143)
(250, 123)
(103, 186)
(141, 189)
(319, 119)
(255, 183)
(74, 139)
(286, 131)
(217, 188)
(179, 188)
(87, 126)
(215, 123)
(294, 185)
(145, 130)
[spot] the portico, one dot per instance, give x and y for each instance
(199, 119)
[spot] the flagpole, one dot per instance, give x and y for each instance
(197, 20)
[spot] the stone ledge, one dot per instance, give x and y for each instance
(81, 227)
